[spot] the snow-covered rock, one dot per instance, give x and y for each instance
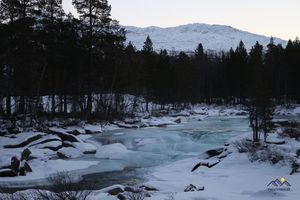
(86, 148)
(92, 129)
(70, 152)
(112, 151)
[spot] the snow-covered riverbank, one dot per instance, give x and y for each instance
(61, 145)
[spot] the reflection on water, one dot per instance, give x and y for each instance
(129, 176)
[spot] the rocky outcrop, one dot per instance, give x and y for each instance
(24, 143)
(192, 188)
(15, 165)
(64, 136)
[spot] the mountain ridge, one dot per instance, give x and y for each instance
(186, 37)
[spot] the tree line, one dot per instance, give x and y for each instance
(84, 69)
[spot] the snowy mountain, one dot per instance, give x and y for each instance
(187, 37)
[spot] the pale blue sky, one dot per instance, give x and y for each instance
(280, 18)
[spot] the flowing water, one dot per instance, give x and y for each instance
(150, 147)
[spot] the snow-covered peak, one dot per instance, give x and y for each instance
(187, 37)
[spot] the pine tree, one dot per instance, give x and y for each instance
(199, 52)
(9, 10)
(148, 45)
(51, 9)
(261, 106)
(97, 24)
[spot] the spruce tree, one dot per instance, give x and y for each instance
(199, 52)
(148, 45)
(51, 9)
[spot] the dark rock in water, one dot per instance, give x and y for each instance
(192, 188)
(209, 165)
(15, 165)
(178, 121)
(215, 152)
(61, 155)
(241, 113)
(121, 197)
(25, 154)
(90, 151)
(148, 188)
(7, 173)
(115, 191)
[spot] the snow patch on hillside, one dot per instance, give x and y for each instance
(187, 37)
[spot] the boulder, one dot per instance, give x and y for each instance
(75, 132)
(215, 152)
(27, 167)
(115, 191)
(130, 189)
(24, 169)
(92, 129)
(25, 154)
(24, 143)
(61, 155)
(7, 173)
(192, 188)
(121, 197)
(15, 165)
(64, 136)
(178, 121)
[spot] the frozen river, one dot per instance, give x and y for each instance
(143, 149)
(127, 156)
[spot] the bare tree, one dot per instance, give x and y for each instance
(64, 187)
